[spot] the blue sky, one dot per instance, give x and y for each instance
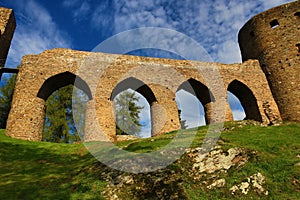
(83, 24)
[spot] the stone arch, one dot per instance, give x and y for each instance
(136, 85)
(202, 93)
(60, 80)
(247, 99)
(140, 87)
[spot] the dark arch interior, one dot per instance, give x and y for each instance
(60, 80)
(136, 85)
(200, 91)
(197, 89)
(247, 99)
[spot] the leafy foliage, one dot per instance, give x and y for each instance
(127, 114)
(182, 121)
(6, 93)
(59, 122)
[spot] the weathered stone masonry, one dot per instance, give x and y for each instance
(42, 74)
(273, 37)
(101, 76)
(7, 28)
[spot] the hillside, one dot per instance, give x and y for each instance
(249, 161)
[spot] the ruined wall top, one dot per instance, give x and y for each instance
(273, 29)
(7, 28)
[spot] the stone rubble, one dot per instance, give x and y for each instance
(216, 159)
(208, 169)
(254, 182)
(218, 183)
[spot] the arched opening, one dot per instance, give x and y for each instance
(129, 95)
(60, 80)
(62, 94)
(7, 85)
(193, 100)
(247, 99)
(190, 110)
(238, 112)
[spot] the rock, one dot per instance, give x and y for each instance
(216, 160)
(244, 187)
(297, 165)
(218, 183)
(121, 138)
(254, 182)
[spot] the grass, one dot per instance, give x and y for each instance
(41, 170)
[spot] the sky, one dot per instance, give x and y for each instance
(83, 24)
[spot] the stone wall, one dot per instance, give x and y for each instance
(273, 37)
(270, 47)
(99, 74)
(7, 28)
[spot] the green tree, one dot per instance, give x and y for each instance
(6, 93)
(59, 123)
(182, 121)
(127, 114)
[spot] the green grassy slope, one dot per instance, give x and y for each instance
(40, 170)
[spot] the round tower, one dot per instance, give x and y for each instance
(273, 37)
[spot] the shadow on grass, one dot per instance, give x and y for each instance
(30, 170)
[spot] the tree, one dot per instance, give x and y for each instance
(127, 114)
(59, 123)
(6, 93)
(182, 121)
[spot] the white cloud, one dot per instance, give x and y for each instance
(191, 109)
(214, 24)
(136, 14)
(82, 11)
(70, 3)
(238, 114)
(270, 4)
(37, 33)
(236, 107)
(229, 52)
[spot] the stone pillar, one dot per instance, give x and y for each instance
(158, 118)
(229, 116)
(164, 112)
(26, 119)
(99, 123)
(106, 118)
(92, 130)
(217, 112)
(208, 113)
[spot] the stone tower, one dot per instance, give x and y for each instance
(273, 37)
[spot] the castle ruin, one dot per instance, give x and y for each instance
(270, 47)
